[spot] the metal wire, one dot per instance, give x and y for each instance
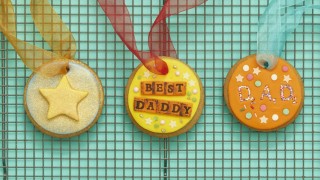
(211, 39)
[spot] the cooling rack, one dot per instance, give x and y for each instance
(211, 39)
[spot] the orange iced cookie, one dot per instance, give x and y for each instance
(262, 99)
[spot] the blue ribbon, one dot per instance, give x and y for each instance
(277, 22)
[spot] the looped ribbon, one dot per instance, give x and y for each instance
(277, 22)
(53, 31)
(159, 40)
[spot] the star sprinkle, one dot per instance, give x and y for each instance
(192, 83)
(186, 75)
(239, 78)
(172, 124)
(287, 78)
(146, 74)
(256, 71)
(264, 119)
(148, 121)
(63, 100)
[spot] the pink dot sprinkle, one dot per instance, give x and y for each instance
(263, 108)
(285, 68)
(249, 77)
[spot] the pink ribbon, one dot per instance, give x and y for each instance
(159, 40)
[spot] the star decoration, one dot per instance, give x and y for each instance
(256, 71)
(146, 74)
(186, 75)
(172, 124)
(287, 78)
(63, 100)
(192, 83)
(239, 78)
(148, 121)
(264, 119)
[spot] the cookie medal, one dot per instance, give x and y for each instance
(263, 91)
(264, 99)
(164, 96)
(63, 97)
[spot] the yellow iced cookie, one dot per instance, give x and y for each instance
(165, 105)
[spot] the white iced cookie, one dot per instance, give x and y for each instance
(65, 105)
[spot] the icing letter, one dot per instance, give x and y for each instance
(266, 92)
(139, 104)
(249, 94)
(291, 96)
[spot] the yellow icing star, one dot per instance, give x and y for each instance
(63, 100)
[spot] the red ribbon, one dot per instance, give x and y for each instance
(159, 40)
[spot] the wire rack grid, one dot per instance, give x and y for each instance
(211, 39)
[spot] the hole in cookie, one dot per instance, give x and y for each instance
(68, 68)
(266, 64)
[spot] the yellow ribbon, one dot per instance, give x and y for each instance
(51, 28)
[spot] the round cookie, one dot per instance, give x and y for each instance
(67, 105)
(264, 100)
(165, 105)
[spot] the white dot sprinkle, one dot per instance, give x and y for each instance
(275, 117)
(177, 73)
(274, 77)
(195, 91)
(162, 122)
(246, 68)
(135, 89)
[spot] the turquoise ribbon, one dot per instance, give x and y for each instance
(277, 22)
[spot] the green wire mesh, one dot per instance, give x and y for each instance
(211, 39)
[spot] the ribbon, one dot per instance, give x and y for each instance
(278, 21)
(159, 40)
(53, 31)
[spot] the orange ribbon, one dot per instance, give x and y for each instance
(52, 29)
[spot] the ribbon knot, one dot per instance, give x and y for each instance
(52, 29)
(159, 40)
(278, 21)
